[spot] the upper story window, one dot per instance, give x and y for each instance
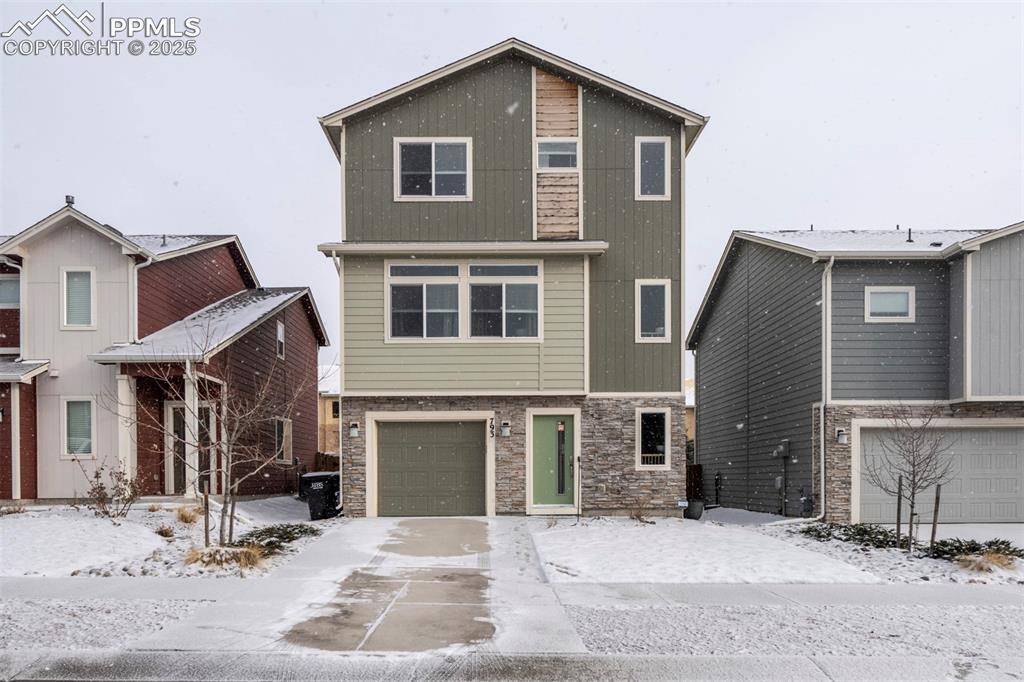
(652, 161)
(463, 301)
(433, 169)
(10, 291)
(653, 310)
(280, 339)
(889, 304)
(653, 438)
(557, 154)
(78, 298)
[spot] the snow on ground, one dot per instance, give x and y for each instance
(968, 631)
(676, 551)
(84, 623)
(55, 544)
(62, 541)
(892, 565)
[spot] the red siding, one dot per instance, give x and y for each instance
(173, 289)
(5, 442)
(254, 355)
(29, 450)
(149, 396)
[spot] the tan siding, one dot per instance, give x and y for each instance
(558, 206)
(557, 106)
(373, 365)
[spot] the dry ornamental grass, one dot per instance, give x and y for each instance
(188, 515)
(153, 508)
(165, 532)
(987, 562)
(249, 556)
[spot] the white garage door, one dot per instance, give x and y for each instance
(987, 486)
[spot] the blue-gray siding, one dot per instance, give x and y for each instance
(758, 377)
(890, 361)
(956, 328)
(997, 318)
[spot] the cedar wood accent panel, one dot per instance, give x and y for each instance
(489, 103)
(758, 376)
(890, 361)
(644, 242)
(172, 290)
(557, 106)
(558, 194)
(997, 323)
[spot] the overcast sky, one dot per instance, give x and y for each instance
(842, 115)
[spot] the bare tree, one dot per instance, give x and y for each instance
(247, 412)
(911, 449)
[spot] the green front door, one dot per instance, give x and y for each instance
(554, 460)
(431, 469)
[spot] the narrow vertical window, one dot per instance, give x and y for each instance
(653, 438)
(335, 409)
(280, 340)
(78, 428)
(78, 298)
(653, 310)
(652, 161)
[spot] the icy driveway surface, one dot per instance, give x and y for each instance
(676, 551)
(56, 543)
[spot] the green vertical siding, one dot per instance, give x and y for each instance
(556, 365)
(644, 240)
(491, 104)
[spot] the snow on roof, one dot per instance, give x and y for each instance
(330, 379)
(206, 331)
(12, 369)
(860, 241)
(160, 244)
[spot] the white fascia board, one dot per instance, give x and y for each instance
(69, 212)
(568, 247)
(994, 234)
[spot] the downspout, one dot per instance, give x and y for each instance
(826, 312)
(134, 312)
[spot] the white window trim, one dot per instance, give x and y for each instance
(63, 299)
(464, 281)
(667, 196)
(64, 400)
(667, 285)
(12, 306)
(397, 162)
(280, 343)
(667, 466)
(890, 289)
(287, 448)
(565, 171)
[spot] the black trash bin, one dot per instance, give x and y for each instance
(322, 488)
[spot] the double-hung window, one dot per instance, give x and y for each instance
(653, 310)
(889, 304)
(504, 301)
(652, 163)
(463, 301)
(10, 291)
(438, 169)
(77, 428)
(653, 438)
(78, 298)
(557, 154)
(424, 301)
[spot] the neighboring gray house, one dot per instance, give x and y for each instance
(511, 284)
(801, 329)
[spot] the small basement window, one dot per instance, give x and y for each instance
(652, 163)
(889, 304)
(556, 155)
(653, 440)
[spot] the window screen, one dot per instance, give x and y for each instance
(79, 427)
(78, 298)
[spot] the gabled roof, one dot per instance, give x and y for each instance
(822, 245)
(533, 54)
(155, 247)
(13, 369)
(206, 332)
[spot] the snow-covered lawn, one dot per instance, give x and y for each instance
(84, 623)
(62, 541)
(675, 551)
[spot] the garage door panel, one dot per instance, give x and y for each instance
(431, 469)
(987, 484)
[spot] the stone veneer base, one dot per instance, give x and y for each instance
(609, 479)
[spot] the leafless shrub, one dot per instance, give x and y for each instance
(987, 562)
(188, 515)
(639, 508)
(113, 500)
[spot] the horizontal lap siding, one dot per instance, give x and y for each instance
(373, 365)
(172, 290)
(890, 361)
(997, 323)
(758, 376)
(557, 106)
(491, 104)
(956, 328)
(558, 206)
